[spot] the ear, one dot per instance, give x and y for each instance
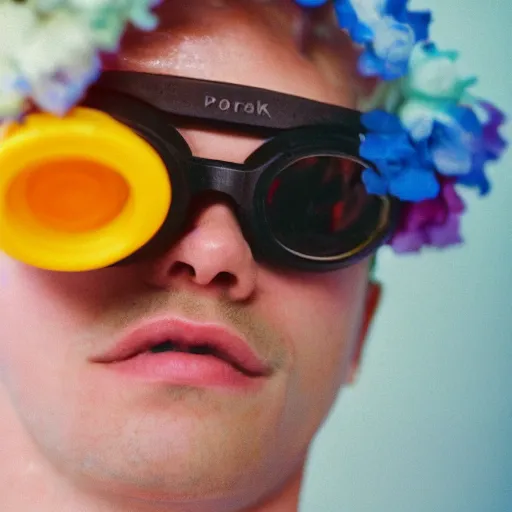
(373, 297)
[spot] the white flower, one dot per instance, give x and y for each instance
(393, 41)
(434, 73)
(11, 99)
(58, 93)
(17, 23)
(418, 118)
(369, 12)
(62, 41)
(49, 49)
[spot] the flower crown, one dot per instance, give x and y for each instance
(425, 132)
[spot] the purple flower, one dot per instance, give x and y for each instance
(401, 167)
(494, 143)
(434, 222)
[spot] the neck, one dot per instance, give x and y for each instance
(31, 484)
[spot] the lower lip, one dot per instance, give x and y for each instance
(180, 368)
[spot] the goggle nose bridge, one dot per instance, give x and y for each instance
(231, 179)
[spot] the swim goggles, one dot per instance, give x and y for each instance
(114, 181)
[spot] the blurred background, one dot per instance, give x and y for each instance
(428, 425)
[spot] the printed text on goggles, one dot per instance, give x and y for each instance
(113, 181)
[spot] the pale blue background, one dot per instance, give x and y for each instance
(428, 427)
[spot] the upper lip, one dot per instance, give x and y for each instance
(228, 345)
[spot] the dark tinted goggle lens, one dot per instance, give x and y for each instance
(318, 208)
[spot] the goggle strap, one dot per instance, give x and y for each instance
(230, 103)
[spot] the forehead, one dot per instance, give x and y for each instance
(269, 44)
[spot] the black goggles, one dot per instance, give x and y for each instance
(299, 198)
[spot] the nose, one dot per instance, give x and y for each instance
(212, 253)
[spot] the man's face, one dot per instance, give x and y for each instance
(228, 445)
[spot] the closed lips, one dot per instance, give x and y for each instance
(173, 335)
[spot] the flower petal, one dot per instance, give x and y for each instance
(374, 183)
(420, 22)
(446, 234)
(450, 158)
(476, 178)
(453, 201)
(369, 64)
(494, 143)
(360, 32)
(391, 149)
(382, 122)
(408, 241)
(415, 185)
(393, 42)
(311, 3)
(418, 118)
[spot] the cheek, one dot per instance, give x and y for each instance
(43, 318)
(324, 342)
(321, 317)
(56, 307)
(32, 330)
(29, 308)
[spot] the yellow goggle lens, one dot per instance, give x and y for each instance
(70, 195)
(80, 192)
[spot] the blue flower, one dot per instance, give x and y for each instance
(456, 147)
(387, 29)
(419, 21)
(476, 176)
(487, 148)
(453, 141)
(360, 30)
(401, 167)
(388, 55)
(460, 146)
(311, 3)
